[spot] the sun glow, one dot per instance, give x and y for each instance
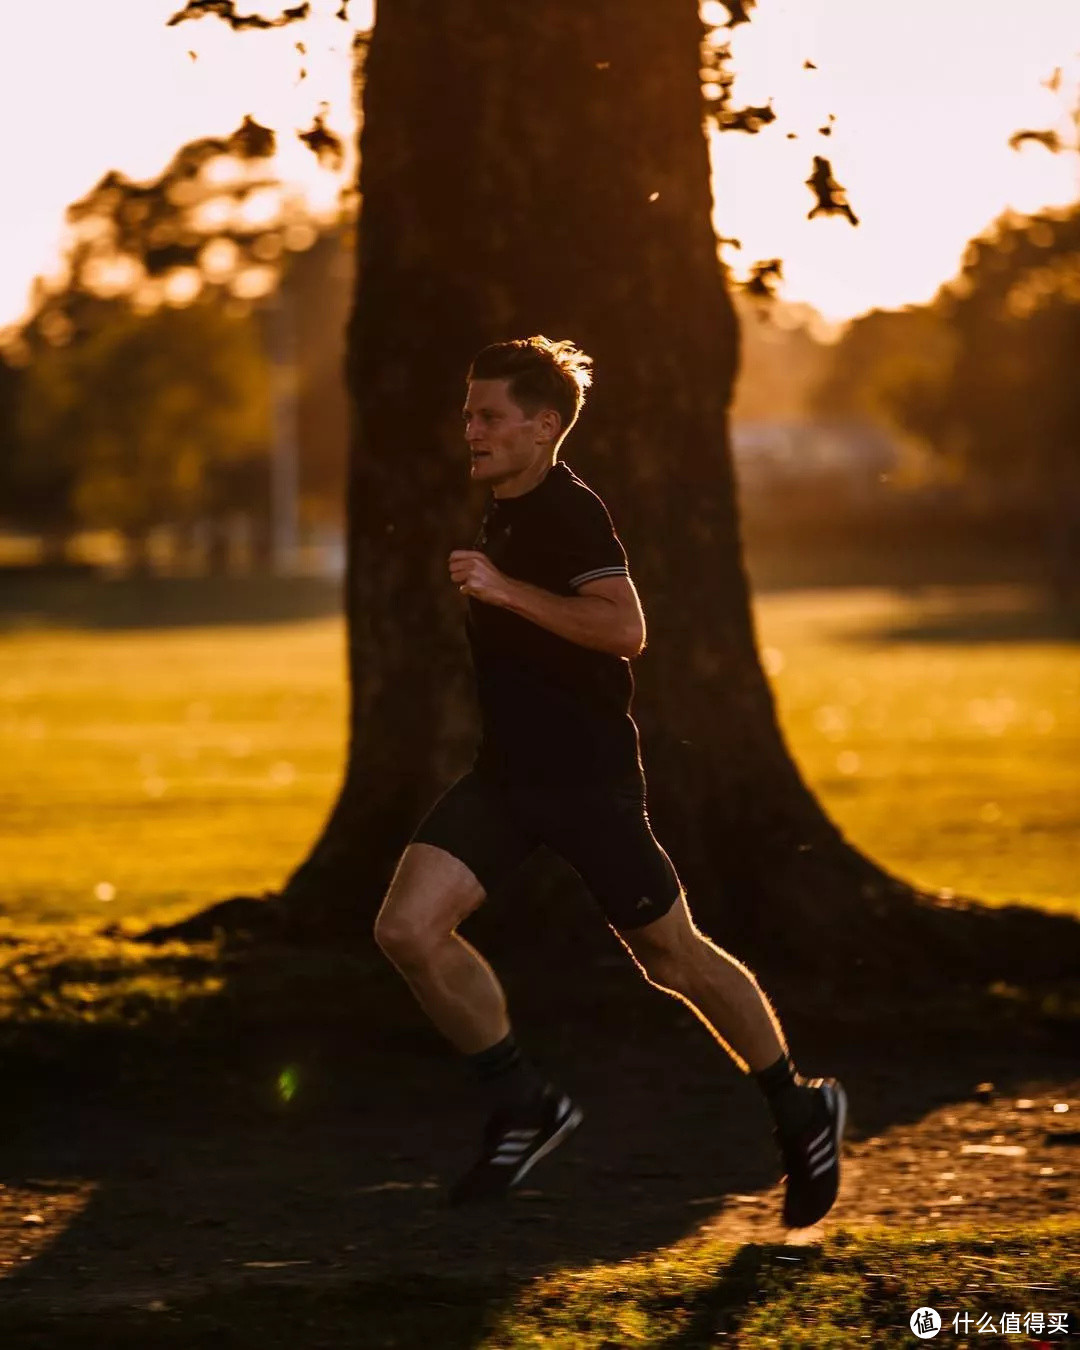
(918, 102)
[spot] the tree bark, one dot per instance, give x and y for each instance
(543, 168)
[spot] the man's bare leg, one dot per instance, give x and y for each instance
(810, 1116)
(431, 893)
(677, 957)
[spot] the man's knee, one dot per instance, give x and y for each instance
(420, 910)
(667, 963)
(406, 938)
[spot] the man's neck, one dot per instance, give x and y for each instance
(525, 481)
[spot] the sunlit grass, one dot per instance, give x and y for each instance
(847, 1290)
(951, 752)
(148, 772)
(157, 770)
(55, 977)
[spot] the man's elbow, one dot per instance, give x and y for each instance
(632, 641)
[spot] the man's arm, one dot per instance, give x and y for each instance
(605, 615)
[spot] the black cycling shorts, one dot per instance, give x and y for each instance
(602, 832)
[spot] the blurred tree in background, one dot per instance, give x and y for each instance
(36, 491)
(216, 238)
(880, 360)
(985, 378)
(782, 361)
(1006, 408)
(158, 418)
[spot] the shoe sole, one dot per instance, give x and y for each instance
(569, 1125)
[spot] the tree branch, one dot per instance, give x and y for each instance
(226, 9)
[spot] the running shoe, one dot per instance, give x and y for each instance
(812, 1158)
(515, 1139)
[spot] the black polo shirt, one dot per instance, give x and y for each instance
(552, 711)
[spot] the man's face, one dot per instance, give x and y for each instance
(503, 443)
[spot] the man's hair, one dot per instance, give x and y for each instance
(541, 374)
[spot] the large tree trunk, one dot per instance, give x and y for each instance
(543, 168)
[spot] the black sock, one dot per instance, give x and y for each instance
(790, 1099)
(506, 1077)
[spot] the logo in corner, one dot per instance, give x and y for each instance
(925, 1323)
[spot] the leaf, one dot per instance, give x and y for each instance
(750, 120)
(251, 140)
(739, 11)
(1050, 139)
(324, 143)
(226, 9)
(831, 197)
(763, 278)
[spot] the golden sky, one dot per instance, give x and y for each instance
(925, 93)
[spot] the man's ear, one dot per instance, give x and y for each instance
(550, 423)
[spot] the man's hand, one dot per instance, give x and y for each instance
(604, 615)
(475, 574)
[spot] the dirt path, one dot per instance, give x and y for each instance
(136, 1206)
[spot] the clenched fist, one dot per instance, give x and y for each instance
(475, 574)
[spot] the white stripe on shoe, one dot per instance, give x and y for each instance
(572, 1119)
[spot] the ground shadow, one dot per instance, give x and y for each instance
(163, 602)
(1008, 616)
(776, 563)
(163, 1169)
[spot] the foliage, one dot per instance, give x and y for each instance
(1008, 405)
(985, 375)
(216, 217)
(880, 362)
(151, 417)
(218, 231)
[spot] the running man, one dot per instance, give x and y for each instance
(554, 621)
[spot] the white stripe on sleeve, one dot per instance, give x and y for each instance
(598, 572)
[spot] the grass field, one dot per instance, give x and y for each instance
(149, 770)
(161, 756)
(851, 1290)
(942, 730)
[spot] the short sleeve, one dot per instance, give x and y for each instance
(589, 548)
